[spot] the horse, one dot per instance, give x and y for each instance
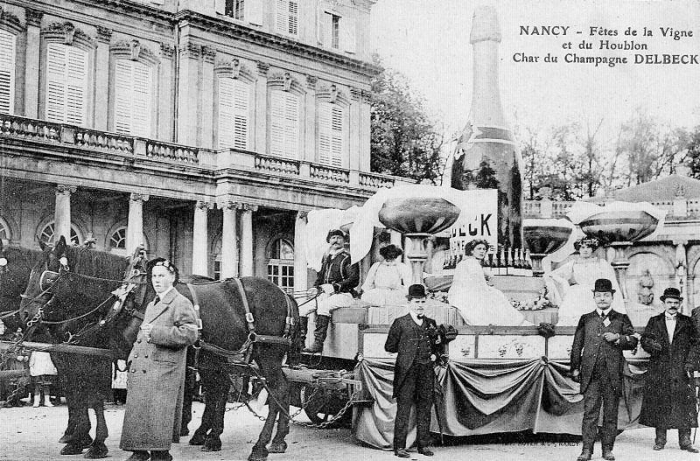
(225, 329)
(15, 266)
(70, 290)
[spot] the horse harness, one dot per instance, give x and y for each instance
(243, 355)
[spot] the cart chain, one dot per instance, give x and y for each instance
(291, 417)
(13, 350)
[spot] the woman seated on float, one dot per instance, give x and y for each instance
(387, 281)
(571, 284)
(477, 301)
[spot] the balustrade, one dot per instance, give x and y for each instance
(171, 152)
(330, 174)
(280, 165)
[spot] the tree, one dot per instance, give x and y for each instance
(692, 157)
(404, 141)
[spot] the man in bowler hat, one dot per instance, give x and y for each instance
(669, 398)
(597, 363)
(414, 336)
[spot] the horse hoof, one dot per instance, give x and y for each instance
(212, 445)
(197, 439)
(65, 439)
(97, 451)
(278, 447)
(258, 454)
(72, 449)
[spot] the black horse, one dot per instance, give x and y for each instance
(15, 266)
(70, 288)
(224, 328)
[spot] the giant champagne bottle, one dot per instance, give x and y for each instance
(486, 156)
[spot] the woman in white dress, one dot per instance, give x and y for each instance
(387, 281)
(477, 301)
(571, 285)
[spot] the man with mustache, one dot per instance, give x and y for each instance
(669, 397)
(336, 280)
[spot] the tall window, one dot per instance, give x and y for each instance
(8, 44)
(47, 234)
(234, 8)
(280, 267)
(287, 17)
(133, 98)
(284, 124)
(331, 134)
(337, 32)
(66, 84)
(234, 97)
(117, 241)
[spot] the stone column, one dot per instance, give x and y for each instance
(31, 70)
(229, 246)
(309, 152)
(134, 229)
(200, 239)
(247, 268)
(301, 281)
(261, 109)
(62, 212)
(102, 79)
(206, 136)
(365, 130)
(682, 274)
(187, 115)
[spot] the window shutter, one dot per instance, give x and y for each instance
(324, 29)
(133, 98)
(253, 12)
(281, 16)
(7, 72)
(284, 124)
(291, 139)
(240, 127)
(226, 113)
(220, 6)
(331, 131)
(337, 132)
(324, 135)
(66, 83)
(348, 35)
(277, 122)
(123, 96)
(293, 17)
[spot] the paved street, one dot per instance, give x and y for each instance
(30, 434)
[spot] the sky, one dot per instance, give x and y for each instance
(428, 42)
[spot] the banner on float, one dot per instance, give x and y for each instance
(478, 220)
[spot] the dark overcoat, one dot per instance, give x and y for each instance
(669, 396)
(403, 338)
(589, 345)
(339, 272)
(157, 374)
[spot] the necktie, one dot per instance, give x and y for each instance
(420, 316)
(156, 300)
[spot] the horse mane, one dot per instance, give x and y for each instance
(20, 254)
(96, 263)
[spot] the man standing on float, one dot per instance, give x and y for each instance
(335, 282)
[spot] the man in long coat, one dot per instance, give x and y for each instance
(157, 369)
(669, 397)
(414, 337)
(597, 362)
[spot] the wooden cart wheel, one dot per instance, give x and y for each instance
(320, 406)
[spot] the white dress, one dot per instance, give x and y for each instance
(478, 302)
(571, 287)
(386, 284)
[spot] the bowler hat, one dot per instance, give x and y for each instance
(671, 293)
(416, 291)
(334, 232)
(603, 285)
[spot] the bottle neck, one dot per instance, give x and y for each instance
(486, 109)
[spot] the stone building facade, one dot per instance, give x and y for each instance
(204, 129)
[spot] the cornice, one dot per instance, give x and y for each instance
(136, 9)
(268, 40)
